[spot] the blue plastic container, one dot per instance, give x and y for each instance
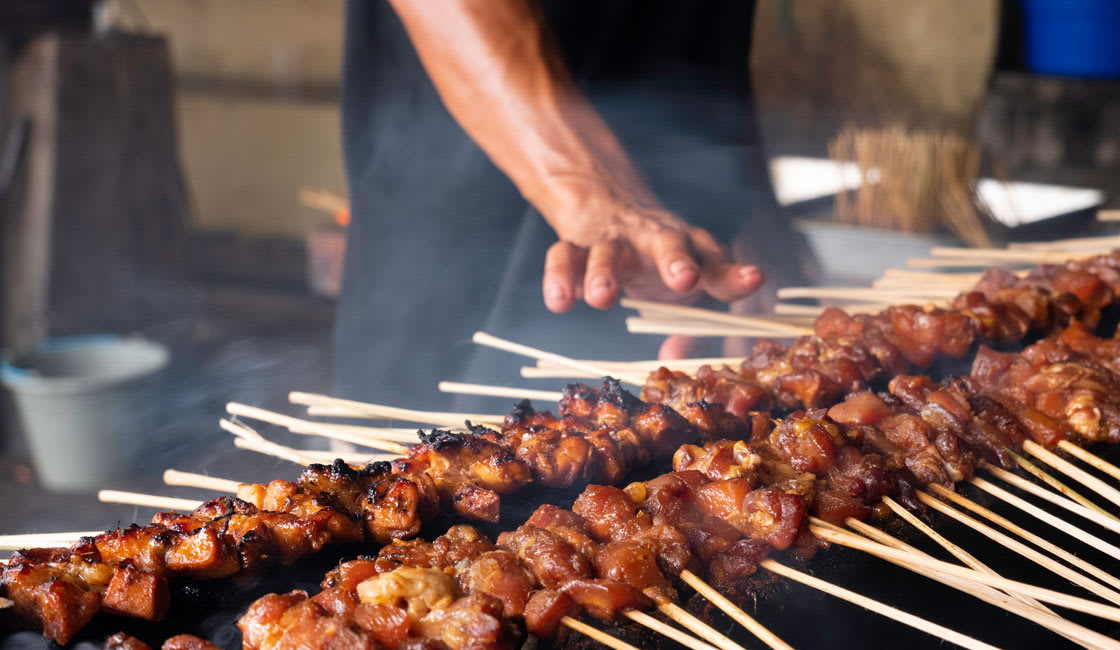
(1073, 38)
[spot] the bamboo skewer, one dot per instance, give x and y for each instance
(305, 427)
(500, 391)
(1062, 502)
(708, 315)
(965, 263)
(1060, 599)
(1019, 605)
(33, 540)
(1042, 515)
(661, 326)
(1056, 485)
(681, 617)
(351, 408)
(482, 338)
(1072, 471)
(1089, 458)
(958, 552)
(876, 606)
(999, 254)
(147, 500)
(248, 439)
(595, 634)
(1042, 560)
(668, 631)
(190, 479)
(794, 309)
(729, 608)
(1086, 567)
(872, 295)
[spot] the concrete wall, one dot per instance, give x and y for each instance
(257, 108)
(818, 64)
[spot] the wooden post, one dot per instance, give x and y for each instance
(98, 238)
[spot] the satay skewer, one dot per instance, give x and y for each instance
(1069, 469)
(30, 540)
(147, 500)
(1007, 542)
(1016, 604)
(1059, 500)
(1056, 485)
(499, 391)
(305, 427)
(596, 634)
(1090, 458)
(1086, 567)
(884, 297)
(327, 405)
(873, 605)
(482, 338)
(657, 310)
(248, 439)
(1040, 514)
(1060, 599)
(639, 325)
(191, 479)
(668, 631)
(957, 552)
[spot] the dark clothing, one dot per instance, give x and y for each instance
(442, 244)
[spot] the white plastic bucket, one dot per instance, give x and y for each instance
(85, 405)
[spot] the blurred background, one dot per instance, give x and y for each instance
(173, 169)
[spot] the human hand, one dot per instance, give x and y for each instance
(648, 252)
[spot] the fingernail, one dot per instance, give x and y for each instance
(680, 267)
(602, 285)
(748, 273)
(557, 293)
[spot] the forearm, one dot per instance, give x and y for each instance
(500, 76)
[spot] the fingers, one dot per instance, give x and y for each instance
(600, 281)
(721, 279)
(563, 273)
(679, 270)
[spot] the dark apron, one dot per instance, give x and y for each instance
(441, 242)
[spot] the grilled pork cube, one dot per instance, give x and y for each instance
(567, 525)
(476, 503)
(605, 599)
(122, 641)
(261, 627)
(202, 554)
(146, 547)
(738, 561)
(187, 642)
(42, 596)
(556, 458)
(635, 565)
(545, 610)
(609, 513)
(500, 574)
(389, 625)
(348, 575)
(551, 560)
(136, 593)
(460, 543)
(473, 622)
(396, 506)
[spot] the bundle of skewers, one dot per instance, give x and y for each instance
(864, 436)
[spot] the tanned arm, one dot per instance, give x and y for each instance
(500, 75)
